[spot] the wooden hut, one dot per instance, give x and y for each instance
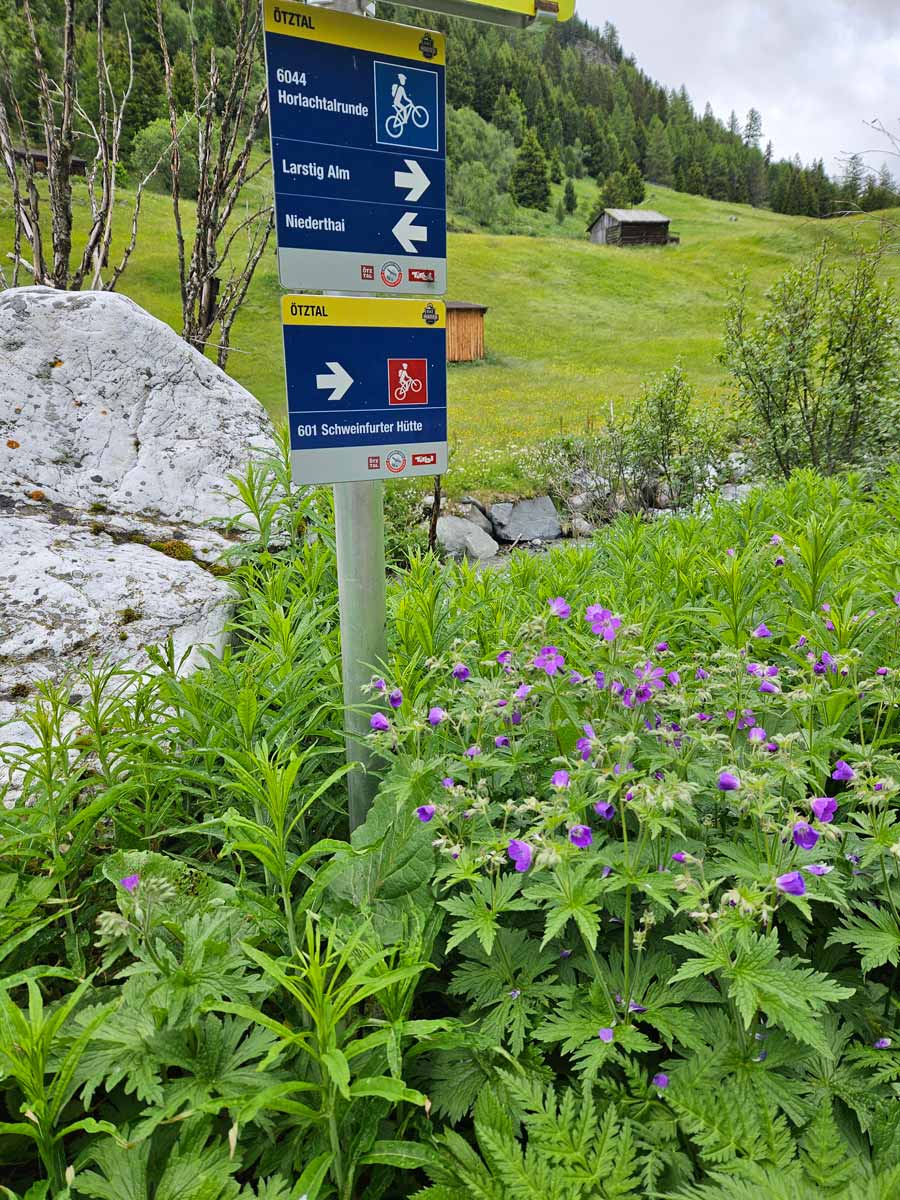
(629, 227)
(38, 159)
(465, 331)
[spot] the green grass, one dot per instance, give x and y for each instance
(573, 329)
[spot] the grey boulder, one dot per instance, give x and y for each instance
(526, 521)
(463, 539)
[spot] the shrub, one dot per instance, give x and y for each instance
(816, 374)
(152, 144)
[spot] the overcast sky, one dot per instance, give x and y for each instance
(817, 70)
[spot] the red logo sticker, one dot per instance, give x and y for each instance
(395, 462)
(374, 462)
(420, 275)
(424, 460)
(367, 272)
(407, 380)
(391, 274)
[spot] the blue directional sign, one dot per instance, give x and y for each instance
(366, 386)
(356, 112)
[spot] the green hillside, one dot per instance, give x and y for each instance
(573, 329)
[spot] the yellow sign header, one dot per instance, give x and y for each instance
(362, 312)
(359, 33)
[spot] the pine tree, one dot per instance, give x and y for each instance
(560, 212)
(634, 183)
(556, 169)
(753, 130)
(695, 183)
(570, 200)
(529, 182)
(509, 114)
(660, 160)
(614, 193)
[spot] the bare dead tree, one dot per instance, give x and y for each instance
(232, 230)
(59, 104)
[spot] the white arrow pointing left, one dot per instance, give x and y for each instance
(407, 232)
(415, 179)
(340, 381)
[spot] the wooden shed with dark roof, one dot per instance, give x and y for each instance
(629, 227)
(465, 331)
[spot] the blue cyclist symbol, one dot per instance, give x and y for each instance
(405, 110)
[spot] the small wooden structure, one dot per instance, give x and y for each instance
(38, 159)
(629, 227)
(465, 331)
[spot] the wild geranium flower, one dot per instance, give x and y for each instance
(605, 810)
(503, 657)
(521, 854)
(660, 1080)
(843, 772)
(791, 884)
(643, 694)
(728, 782)
(560, 608)
(769, 687)
(603, 623)
(818, 869)
(674, 678)
(762, 631)
(560, 779)
(703, 716)
(447, 782)
(651, 676)
(600, 679)
(515, 993)
(130, 883)
(580, 836)
(605, 1034)
(757, 734)
(516, 718)
(679, 856)
(804, 835)
(882, 1043)
(435, 716)
(379, 685)
(576, 677)
(775, 540)
(379, 723)
(549, 660)
(501, 741)
(661, 647)
(897, 598)
(425, 813)
(823, 808)
(882, 671)
(473, 752)
(522, 693)
(772, 747)
(779, 560)
(583, 745)
(701, 674)
(395, 699)
(461, 672)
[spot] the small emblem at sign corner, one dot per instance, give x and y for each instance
(427, 48)
(374, 462)
(367, 271)
(395, 462)
(430, 315)
(391, 274)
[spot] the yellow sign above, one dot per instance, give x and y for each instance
(519, 13)
(316, 24)
(362, 313)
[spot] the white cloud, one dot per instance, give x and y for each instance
(817, 70)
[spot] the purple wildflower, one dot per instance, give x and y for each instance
(435, 716)
(503, 657)
(605, 1034)
(581, 836)
(461, 672)
(447, 782)
(762, 631)
(473, 752)
(882, 1043)
(395, 699)
(791, 884)
(882, 671)
(549, 660)
(757, 734)
(818, 869)
(679, 856)
(560, 779)
(661, 647)
(583, 745)
(660, 1080)
(843, 772)
(804, 835)
(522, 692)
(379, 723)
(701, 674)
(602, 622)
(779, 560)
(823, 808)
(772, 747)
(515, 993)
(516, 718)
(605, 810)
(674, 678)
(600, 679)
(521, 854)
(379, 685)
(501, 741)
(728, 782)
(769, 687)
(606, 872)
(130, 883)
(425, 813)
(560, 608)
(775, 540)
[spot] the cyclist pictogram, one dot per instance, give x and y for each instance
(405, 109)
(407, 381)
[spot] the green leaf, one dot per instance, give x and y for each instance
(394, 1090)
(405, 1156)
(310, 1182)
(339, 1070)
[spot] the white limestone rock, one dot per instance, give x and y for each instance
(100, 403)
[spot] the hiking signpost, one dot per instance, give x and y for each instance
(356, 119)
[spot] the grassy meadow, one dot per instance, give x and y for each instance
(573, 329)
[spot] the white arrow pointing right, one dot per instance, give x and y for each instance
(340, 381)
(415, 179)
(407, 232)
